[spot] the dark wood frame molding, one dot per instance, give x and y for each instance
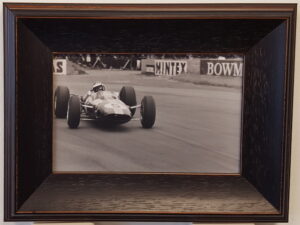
(25, 171)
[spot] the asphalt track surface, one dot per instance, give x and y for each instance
(197, 129)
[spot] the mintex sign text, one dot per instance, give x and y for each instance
(224, 67)
(170, 67)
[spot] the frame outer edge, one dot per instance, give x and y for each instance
(288, 7)
(9, 114)
(289, 112)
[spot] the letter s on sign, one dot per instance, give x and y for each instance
(59, 68)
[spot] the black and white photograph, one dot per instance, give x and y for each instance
(153, 113)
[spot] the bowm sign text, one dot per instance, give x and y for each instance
(221, 67)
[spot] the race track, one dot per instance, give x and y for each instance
(197, 129)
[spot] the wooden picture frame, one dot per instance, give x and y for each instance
(265, 34)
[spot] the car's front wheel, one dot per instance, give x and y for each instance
(74, 110)
(148, 112)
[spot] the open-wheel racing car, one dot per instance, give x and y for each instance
(108, 107)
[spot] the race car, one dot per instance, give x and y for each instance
(108, 107)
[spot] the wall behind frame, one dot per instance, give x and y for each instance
(295, 168)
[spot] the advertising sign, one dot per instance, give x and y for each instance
(60, 66)
(170, 67)
(226, 67)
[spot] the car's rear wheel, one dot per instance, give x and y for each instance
(127, 95)
(74, 110)
(61, 99)
(148, 112)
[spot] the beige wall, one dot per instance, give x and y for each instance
(295, 172)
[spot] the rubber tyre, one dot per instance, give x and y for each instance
(127, 95)
(148, 112)
(61, 99)
(74, 111)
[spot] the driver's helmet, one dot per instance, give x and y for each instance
(98, 86)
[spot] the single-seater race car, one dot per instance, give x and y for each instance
(108, 107)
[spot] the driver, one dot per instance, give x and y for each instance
(98, 86)
(91, 95)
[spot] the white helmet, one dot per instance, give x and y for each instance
(98, 86)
